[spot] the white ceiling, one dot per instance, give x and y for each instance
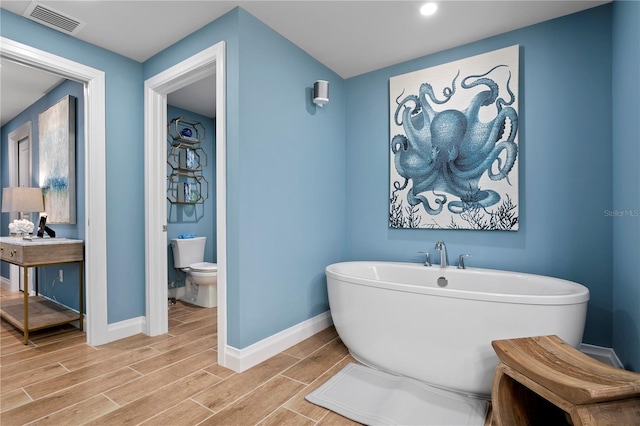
(349, 37)
(21, 86)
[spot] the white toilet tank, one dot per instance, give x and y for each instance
(187, 251)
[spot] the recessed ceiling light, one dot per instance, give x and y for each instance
(428, 9)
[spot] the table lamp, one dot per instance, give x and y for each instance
(22, 199)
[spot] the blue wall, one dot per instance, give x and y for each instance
(626, 183)
(285, 175)
(199, 219)
(124, 157)
(565, 164)
(290, 195)
(66, 292)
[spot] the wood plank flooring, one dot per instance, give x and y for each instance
(173, 379)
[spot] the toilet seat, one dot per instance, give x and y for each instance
(203, 267)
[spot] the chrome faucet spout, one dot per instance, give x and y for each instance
(443, 253)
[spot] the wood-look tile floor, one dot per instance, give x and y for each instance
(173, 379)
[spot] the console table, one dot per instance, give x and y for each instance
(36, 312)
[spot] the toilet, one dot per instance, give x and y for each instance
(202, 277)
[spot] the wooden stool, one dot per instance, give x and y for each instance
(543, 380)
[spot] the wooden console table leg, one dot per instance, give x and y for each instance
(26, 305)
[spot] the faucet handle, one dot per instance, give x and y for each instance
(427, 258)
(461, 261)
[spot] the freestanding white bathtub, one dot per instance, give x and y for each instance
(397, 318)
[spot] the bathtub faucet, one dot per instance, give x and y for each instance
(443, 253)
(427, 258)
(461, 261)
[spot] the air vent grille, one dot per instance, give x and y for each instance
(53, 18)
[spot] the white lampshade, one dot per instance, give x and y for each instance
(22, 199)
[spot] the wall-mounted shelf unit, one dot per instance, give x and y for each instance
(186, 131)
(187, 157)
(187, 160)
(186, 188)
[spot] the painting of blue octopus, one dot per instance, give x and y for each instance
(454, 145)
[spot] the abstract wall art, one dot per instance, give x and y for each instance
(454, 144)
(57, 146)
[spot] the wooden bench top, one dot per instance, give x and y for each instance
(562, 369)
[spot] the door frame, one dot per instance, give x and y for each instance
(95, 225)
(203, 64)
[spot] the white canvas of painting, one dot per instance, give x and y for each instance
(56, 140)
(454, 144)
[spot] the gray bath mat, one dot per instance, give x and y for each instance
(373, 397)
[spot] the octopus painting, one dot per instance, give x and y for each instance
(454, 155)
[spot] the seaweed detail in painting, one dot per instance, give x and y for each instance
(503, 218)
(402, 218)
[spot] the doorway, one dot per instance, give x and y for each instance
(208, 62)
(95, 175)
(20, 174)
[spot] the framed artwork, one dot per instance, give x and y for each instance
(57, 159)
(454, 144)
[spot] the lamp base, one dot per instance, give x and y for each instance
(21, 227)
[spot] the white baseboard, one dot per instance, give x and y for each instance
(126, 328)
(602, 354)
(240, 360)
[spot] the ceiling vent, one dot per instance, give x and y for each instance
(53, 19)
